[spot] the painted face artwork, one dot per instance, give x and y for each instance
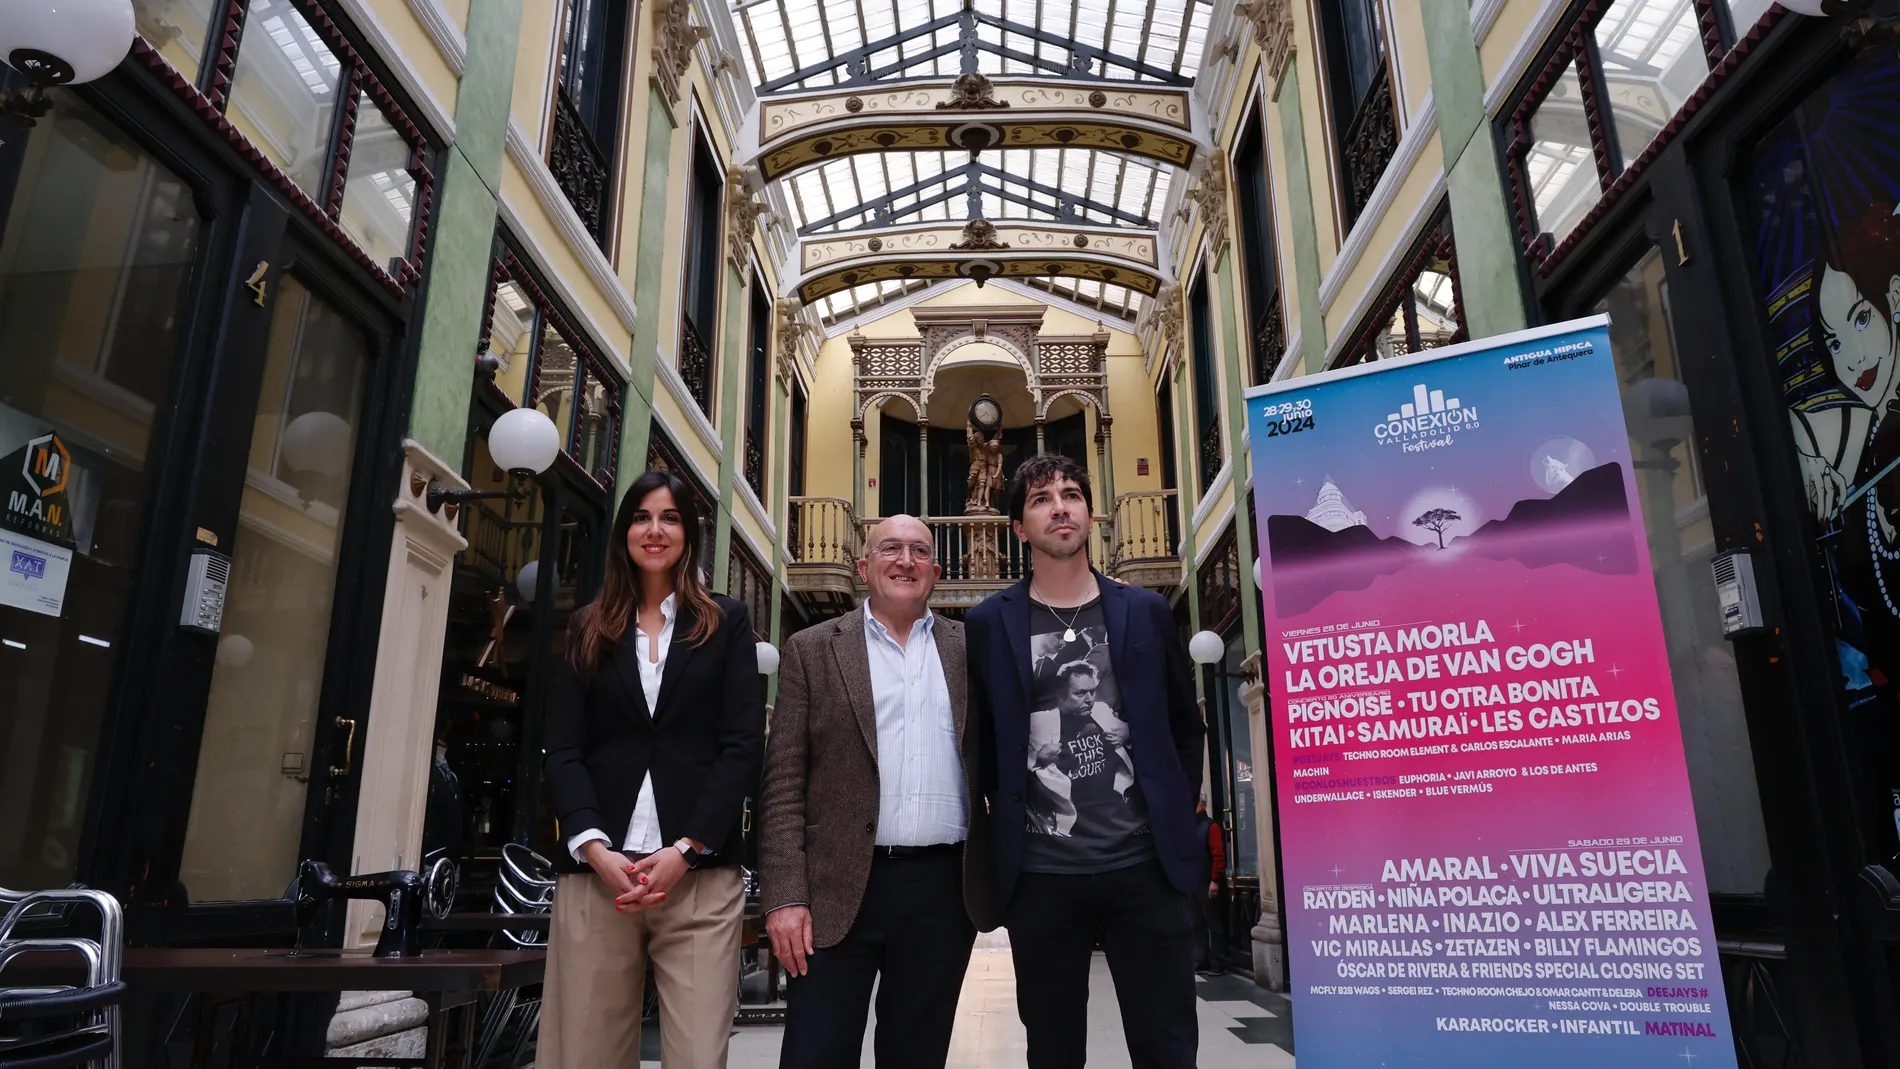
(1824, 185)
(1859, 337)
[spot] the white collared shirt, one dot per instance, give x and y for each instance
(643, 831)
(921, 798)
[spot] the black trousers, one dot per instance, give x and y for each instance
(1146, 929)
(912, 939)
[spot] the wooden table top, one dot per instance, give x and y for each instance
(219, 969)
(487, 922)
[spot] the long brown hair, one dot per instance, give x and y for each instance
(600, 625)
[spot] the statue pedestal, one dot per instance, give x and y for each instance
(981, 560)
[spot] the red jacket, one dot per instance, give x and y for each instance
(1217, 848)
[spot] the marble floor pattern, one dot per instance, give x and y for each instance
(1241, 1024)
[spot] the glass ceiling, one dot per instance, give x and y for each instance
(783, 38)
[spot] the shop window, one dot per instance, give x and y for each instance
(269, 674)
(1621, 72)
(541, 361)
(1212, 453)
(1558, 166)
(758, 388)
(284, 92)
(1669, 485)
(699, 311)
(296, 91)
(1266, 335)
(96, 264)
(178, 29)
(1419, 309)
(379, 194)
(1165, 442)
(1821, 195)
(1359, 87)
(1653, 58)
(795, 474)
(587, 108)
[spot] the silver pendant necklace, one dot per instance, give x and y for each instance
(1069, 634)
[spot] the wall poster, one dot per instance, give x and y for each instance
(1488, 844)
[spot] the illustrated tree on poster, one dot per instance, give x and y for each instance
(1435, 521)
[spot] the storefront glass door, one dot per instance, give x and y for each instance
(97, 261)
(261, 718)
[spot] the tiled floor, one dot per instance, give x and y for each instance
(1241, 1025)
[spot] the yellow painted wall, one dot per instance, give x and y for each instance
(828, 442)
(1511, 26)
(1411, 65)
(1316, 123)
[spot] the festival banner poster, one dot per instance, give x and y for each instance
(1488, 846)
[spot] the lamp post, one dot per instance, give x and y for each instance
(61, 42)
(524, 441)
(1206, 647)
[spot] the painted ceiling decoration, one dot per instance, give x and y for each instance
(832, 263)
(877, 117)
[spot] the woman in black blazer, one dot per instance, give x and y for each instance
(655, 736)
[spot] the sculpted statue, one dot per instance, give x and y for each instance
(984, 435)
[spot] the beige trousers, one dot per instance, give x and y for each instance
(590, 1015)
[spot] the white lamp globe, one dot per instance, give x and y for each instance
(317, 443)
(235, 651)
(1810, 8)
(65, 42)
(768, 659)
(524, 439)
(528, 580)
(1256, 573)
(1206, 647)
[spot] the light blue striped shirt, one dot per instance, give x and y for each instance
(921, 799)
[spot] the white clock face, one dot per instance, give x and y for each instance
(987, 413)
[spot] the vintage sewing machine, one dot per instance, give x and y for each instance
(405, 894)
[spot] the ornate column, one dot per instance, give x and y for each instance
(1105, 456)
(923, 466)
(1269, 943)
(857, 469)
(1040, 448)
(399, 741)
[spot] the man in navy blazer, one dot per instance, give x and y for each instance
(1091, 775)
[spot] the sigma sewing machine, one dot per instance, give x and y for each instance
(405, 894)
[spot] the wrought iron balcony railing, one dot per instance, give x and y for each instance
(696, 365)
(1371, 140)
(755, 465)
(579, 167)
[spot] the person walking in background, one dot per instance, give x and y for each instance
(1207, 910)
(864, 869)
(655, 735)
(1091, 767)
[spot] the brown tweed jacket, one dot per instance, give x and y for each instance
(819, 808)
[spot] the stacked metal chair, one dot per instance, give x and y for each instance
(525, 886)
(56, 1027)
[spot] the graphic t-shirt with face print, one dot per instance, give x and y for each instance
(1083, 810)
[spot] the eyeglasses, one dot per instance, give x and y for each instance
(895, 551)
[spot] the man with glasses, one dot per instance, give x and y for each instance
(866, 812)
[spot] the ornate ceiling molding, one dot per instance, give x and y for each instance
(1272, 22)
(1209, 196)
(673, 41)
(744, 207)
(788, 132)
(980, 250)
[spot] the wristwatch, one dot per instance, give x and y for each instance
(692, 856)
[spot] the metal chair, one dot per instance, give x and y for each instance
(63, 1026)
(524, 886)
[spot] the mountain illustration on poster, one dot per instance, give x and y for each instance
(1578, 526)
